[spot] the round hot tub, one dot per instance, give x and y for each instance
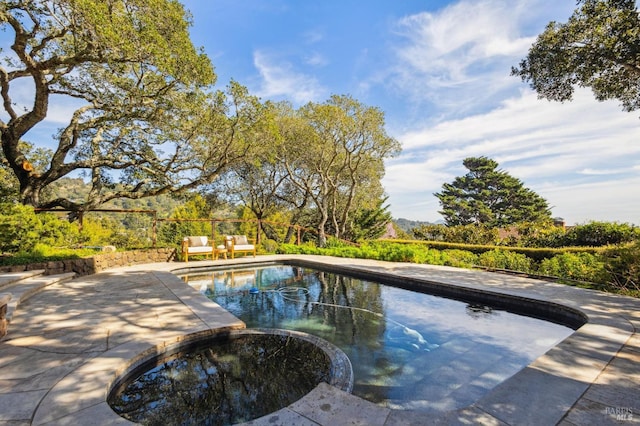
(228, 377)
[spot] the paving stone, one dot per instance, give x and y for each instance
(468, 416)
(562, 363)
(532, 397)
(591, 345)
(587, 412)
(96, 415)
(327, 405)
(122, 315)
(284, 417)
(72, 394)
(20, 405)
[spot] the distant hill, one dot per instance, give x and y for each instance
(77, 189)
(407, 225)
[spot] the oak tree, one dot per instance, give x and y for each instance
(598, 47)
(334, 156)
(145, 120)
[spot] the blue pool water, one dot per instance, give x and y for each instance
(409, 350)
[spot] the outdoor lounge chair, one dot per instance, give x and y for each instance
(239, 244)
(196, 246)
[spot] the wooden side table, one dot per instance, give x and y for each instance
(218, 251)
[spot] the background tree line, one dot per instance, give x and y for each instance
(149, 121)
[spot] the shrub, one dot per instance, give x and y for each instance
(19, 228)
(393, 252)
(545, 235)
(44, 253)
(576, 266)
(503, 259)
(464, 234)
(623, 266)
(58, 232)
(459, 258)
(269, 246)
(306, 248)
(597, 234)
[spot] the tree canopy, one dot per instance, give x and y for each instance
(146, 121)
(323, 164)
(489, 196)
(598, 47)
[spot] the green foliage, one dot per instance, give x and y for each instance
(536, 254)
(561, 263)
(576, 266)
(408, 225)
(488, 196)
(269, 246)
(29, 237)
(19, 228)
(246, 228)
(623, 266)
(305, 248)
(22, 228)
(44, 253)
(272, 228)
(143, 90)
(400, 231)
(464, 234)
(502, 259)
(105, 229)
(189, 222)
(597, 47)
(542, 234)
(459, 258)
(402, 252)
(597, 234)
(538, 234)
(369, 223)
(331, 160)
(57, 231)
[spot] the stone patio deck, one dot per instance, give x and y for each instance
(67, 344)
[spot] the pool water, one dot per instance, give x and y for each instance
(228, 378)
(409, 350)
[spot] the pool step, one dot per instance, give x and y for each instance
(16, 287)
(9, 278)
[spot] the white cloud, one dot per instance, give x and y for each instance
(316, 59)
(460, 57)
(313, 36)
(555, 149)
(610, 200)
(601, 172)
(280, 80)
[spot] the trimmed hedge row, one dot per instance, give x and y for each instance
(605, 269)
(536, 254)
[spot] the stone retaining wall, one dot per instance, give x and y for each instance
(99, 262)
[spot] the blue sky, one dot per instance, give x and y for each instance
(440, 72)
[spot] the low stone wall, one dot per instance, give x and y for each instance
(99, 262)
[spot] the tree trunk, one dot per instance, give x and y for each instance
(322, 235)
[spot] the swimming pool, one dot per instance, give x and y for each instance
(409, 350)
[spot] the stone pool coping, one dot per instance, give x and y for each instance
(589, 378)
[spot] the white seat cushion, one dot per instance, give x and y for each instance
(245, 247)
(200, 249)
